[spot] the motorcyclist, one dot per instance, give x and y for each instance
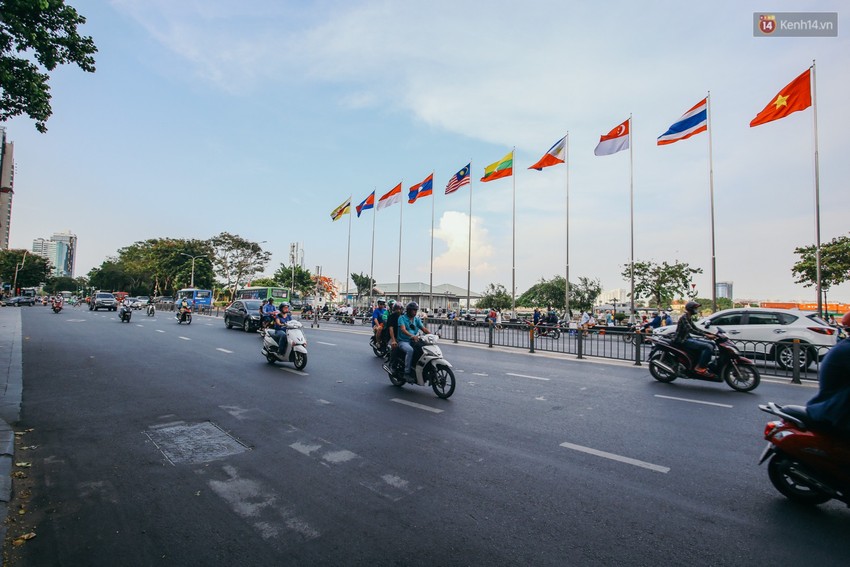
(267, 313)
(685, 331)
(379, 317)
(831, 405)
(409, 327)
(281, 318)
(183, 308)
(389, 334)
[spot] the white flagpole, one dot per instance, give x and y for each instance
(817, 194)
(632, 220)
(567, 270)
(431, 280)
(711, 196)
(400, 215)
(469, 247)
(513, 237)
(348, 257)
(372, 264)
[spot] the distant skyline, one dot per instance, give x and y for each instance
(261, 119)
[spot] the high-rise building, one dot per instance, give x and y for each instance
(723, 289)
(60, 251)
(7, 183)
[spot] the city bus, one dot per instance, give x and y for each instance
(278, 294)
(197, 297)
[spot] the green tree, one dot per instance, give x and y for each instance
(545, 293)
(583, 295)
(62, 283)
(266, 282)
(363, 283)
(37, 36)
(236, 260)
(661, 283)
(110, 276)
(834, 263)
(722, 303)
(32, 270)
(304, 284)
(495, 296)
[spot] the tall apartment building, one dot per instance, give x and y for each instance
(7, 182)
(724, 289)
(60, 251)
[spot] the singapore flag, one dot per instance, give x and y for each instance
(614, 141)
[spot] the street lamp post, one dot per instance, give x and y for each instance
(192, 283)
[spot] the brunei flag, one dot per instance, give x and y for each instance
(343, 209)
(502, 168)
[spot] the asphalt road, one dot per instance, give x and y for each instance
(158, 443)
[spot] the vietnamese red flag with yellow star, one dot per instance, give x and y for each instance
(797, 95)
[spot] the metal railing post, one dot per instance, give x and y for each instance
(531, 338)
(454, 324)
(490, 334)
(795, 368)
(638, 342)
(580, 342)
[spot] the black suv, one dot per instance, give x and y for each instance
(103, 300)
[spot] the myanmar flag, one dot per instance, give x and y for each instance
(502, 168)
(797, 95)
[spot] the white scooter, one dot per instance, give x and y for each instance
(428, 366)
(124, 313)
(295, 350)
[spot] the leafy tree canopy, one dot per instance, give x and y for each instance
(32, 270)
(302, 280)
(237, 260)
(661, 283)
(834, 260)
(37, 36)
(362, 281)
(496, 297)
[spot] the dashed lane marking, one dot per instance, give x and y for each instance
(480, 374)
(417, 406)
(329, 344)
(527, 376)
(618, 458)
(294, 371)
(694, 401)
(160, 331)
(185, 338)
(224, 350)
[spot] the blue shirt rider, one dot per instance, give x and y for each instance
(281, 318)
(831, 406)
(379, 318)
(267, 312)
(409, 326)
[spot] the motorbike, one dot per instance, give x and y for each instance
(124, 313)
(379, 347)
(184, 316)
(57, 307)
(151, 310)
(295, 350)
(668, 361)
(547, 330)
(428, 366)
(808, 464)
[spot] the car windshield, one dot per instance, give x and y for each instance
(253, 304)
(105, 296)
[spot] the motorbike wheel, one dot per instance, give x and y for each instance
(271, 359)
(299, 359)
(189, 319)
(628, 337)
(556, 334)
(778, 469)
(659, 373)
(443, 381)
(379, 352)
(741, 377)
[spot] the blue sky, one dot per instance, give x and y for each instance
(259, 119)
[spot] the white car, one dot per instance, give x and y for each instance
(770, 333)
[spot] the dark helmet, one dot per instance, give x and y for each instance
(692, 306)
(271, 300)
(412, 306)
(845, 321)
(283, 304)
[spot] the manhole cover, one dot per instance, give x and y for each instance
(194, 443)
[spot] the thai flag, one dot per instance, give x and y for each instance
(692, 122)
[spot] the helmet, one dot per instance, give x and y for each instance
(282, 305)
(692, 306)
(391, 302)
(412, 306)
(382, 302)
(845, 321)
(271, 300)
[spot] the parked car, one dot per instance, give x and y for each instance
(21, 300)
(243, 313)
(142, 301)
(752, 328)
(103, 300)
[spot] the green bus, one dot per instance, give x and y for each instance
(278, 294)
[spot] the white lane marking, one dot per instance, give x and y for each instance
(619, 458)
(480, 374)
(160, 331)
(417, 406)
(694, 401)
(224, 350)
(527, 376)
(185, 338)
(329, 344)
(294, 371)
(321, 401)
(139, 325)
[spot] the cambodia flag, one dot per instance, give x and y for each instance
(367, 203)
(423, 189)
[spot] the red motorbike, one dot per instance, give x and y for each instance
(668, 361)
(808, 463)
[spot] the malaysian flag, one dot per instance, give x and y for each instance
(458, 180)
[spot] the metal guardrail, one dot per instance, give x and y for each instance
(615, 343)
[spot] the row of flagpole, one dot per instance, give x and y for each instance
(797, 95)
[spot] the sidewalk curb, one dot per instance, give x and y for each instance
(11, 389)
